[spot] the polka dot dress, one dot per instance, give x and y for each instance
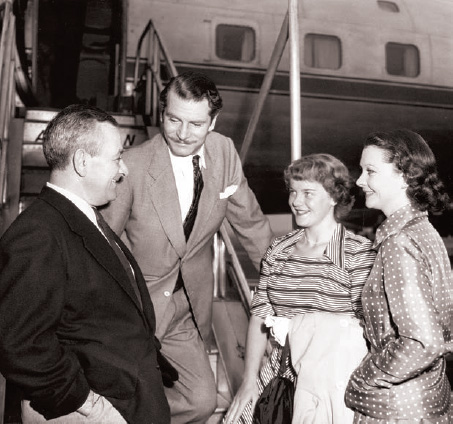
(408, 311)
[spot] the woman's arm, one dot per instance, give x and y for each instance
(255, 348)
(418, 340)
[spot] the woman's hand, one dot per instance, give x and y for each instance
(246, 393)
(255, 348)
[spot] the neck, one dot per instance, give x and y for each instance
(315, 237)
(395, 206)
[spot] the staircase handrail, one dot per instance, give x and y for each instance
(7, 63)
(156, 51)
(241, 280)
(7, 88)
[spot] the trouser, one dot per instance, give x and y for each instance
(103, 412)
(193, 398)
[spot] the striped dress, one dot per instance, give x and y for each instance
(291, 285)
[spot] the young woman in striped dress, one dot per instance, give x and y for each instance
(313, 277)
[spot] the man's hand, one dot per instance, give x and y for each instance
(169, 374)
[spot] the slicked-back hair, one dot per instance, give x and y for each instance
(411, 155)
(73, 128)
(328, 171)
(193, 86)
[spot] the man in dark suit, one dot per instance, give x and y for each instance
(77, 323)
(189, 168)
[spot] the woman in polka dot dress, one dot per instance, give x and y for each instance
(407, 300)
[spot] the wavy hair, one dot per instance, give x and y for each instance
(330, 172)
(193, 86)
(411, 155)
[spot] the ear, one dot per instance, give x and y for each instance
(211, 127)
(79, 161)
(404, 184)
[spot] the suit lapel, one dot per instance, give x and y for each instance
(211, 190)
(92, 238)
(164, 195)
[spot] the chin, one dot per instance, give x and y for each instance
(301, 223)
(370, 204)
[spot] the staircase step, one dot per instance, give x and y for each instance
(130, 134)
(45, 115)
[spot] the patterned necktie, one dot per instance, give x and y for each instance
(192, 214)
(108, 232)
(197, 188)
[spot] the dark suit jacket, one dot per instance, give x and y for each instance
(147, 209)
(70, 320)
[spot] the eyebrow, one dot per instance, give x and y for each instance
(202, 121)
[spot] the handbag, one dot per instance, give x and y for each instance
(275, 405)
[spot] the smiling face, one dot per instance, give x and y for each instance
(310, 203)
(384, 186)
(186, 124)
(106, 169)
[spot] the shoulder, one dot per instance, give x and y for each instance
(141, 151)
(356, 242)
(406, 241)
(359, 250)
(40, 221)
(282, 242)
(215, 140)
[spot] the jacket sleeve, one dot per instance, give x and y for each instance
(32, 283)
(244, 213)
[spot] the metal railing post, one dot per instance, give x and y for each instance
(153, 87)
(156, 52)
(34, 47)
(296, 131)
(265, 88)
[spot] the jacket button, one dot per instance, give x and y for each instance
(167, 293)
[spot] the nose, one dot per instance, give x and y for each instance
(183, 131)
(123, 168)
(297, 199)
(361, 181)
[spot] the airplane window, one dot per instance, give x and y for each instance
(235, 42)
(322, 51)
(402, 59)
(389, 6)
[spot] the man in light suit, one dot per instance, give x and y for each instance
(77, 323)
(152, 212)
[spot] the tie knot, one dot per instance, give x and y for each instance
(196, 161)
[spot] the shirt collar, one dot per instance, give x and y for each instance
(335, 254)
(184, 160)
(335, 248)
(396, 221)
(80, 203)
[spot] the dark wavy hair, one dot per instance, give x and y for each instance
(411, 155)
(193, 86)
(330, 172)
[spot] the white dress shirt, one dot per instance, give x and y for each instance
(83, 205)
(183, 172)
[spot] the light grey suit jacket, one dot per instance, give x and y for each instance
(147, 214)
